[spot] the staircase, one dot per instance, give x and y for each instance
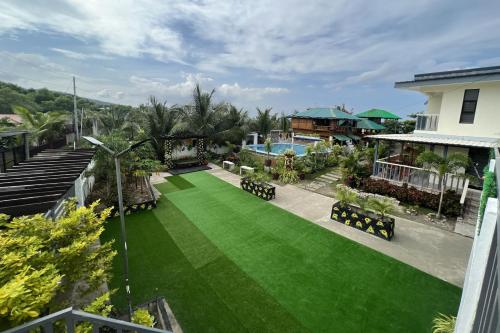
(466, 225)
(324, 180)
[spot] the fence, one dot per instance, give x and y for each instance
(480, 307)
(418, 177)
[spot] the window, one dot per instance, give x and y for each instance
(469, 106)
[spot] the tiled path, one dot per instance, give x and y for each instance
(438, 252)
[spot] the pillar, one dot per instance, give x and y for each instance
(26, 146)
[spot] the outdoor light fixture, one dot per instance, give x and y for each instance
(116, 157)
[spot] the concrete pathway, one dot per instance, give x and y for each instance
(435, 251)
(322, 181)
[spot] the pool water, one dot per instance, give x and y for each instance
(279, 148)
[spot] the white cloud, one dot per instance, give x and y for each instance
(249, 93)
(80, 56)
(160, 87)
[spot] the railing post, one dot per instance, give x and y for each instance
(375, 157)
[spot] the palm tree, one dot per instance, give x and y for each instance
(160, 120)
(200, 118)
(232, 124)
(120, 118)
(264, 121)
(44, 126)
(284, 124)
(443, 166)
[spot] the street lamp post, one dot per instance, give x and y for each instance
(116, 157)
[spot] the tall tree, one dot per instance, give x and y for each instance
(264, 121)
(44, 127)
(200, 117)
(160, 121)
(232, 125)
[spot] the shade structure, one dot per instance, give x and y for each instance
(378, 114)
(36, 185)
(354, 137)
(324, 113)
(341, 137)
(370, 125)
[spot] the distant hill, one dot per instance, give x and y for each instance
(41, 99)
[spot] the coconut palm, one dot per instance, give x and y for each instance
(126, 120)
(264, 121)
(284, 123)
(201, 117)
(231, 125)
(43, 126)
(443, 166)
(160, 120)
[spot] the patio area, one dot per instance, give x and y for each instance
(228, 261)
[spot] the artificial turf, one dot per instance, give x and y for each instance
(227, 261)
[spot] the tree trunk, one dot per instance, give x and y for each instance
(441, 198)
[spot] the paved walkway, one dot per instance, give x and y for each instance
(435, 251)
(323, 180)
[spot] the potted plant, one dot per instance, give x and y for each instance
(256, 184)
(300, 167)
(275, 173)
(360, 218)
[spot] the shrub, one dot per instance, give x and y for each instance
(143, 317)
(289, 176)
(444, 324)
(381, 206)
(344, 195)
(413, 196)
(489, 191)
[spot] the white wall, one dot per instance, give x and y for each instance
(449, 106)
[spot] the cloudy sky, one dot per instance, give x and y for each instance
(285, 54)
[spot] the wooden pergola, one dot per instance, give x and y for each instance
(36, 185)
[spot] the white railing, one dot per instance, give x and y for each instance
(427, 122)
(480, 305)
(418, 177)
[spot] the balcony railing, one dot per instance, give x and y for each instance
(427, 122)
(418, 177)
(72, 317)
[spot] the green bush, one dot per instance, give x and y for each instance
(489, 191)
(143, 317)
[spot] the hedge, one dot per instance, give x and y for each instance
(451, 201)
(489, 191)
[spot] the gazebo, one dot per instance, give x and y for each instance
(376, 115)
(195, 163)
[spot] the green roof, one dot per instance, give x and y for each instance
(354, 137)
(324, 113)
(377, 113)
(341, 137)
(368, 124)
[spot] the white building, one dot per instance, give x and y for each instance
(462, 116)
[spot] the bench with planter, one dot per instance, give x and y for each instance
(261, 189)
(369, 222)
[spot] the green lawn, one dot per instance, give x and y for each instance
(230, 262)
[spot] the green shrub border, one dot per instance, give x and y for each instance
(489, 191)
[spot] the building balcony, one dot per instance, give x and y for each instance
(427, 122)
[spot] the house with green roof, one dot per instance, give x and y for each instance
(332, 123)
(377, 115)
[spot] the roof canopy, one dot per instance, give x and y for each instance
(449, 140)
(482, 74)
(324, 113)
(368, 124)
(34, 186)
(377, 113)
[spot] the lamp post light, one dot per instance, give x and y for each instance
(116, 157)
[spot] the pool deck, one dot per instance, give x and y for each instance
(435, 251)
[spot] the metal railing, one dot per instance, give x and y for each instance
(427, 122)
(71, 318)
(418, 177)
(480, 305)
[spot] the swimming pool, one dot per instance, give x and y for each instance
(279, 148)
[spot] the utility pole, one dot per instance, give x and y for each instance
(75, 111)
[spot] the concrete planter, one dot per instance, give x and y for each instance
(366, 221)
(262, 190)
